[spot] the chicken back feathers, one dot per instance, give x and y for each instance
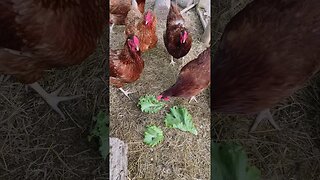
(120, 8)
(193, 78)
(267, 52)
(125, 65)
(43, 34)
(175, 33)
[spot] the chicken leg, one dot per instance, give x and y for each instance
(264, 115)
(52, 98)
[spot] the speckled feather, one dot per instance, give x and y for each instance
(44, 34)
(133, 18)
(267, 52)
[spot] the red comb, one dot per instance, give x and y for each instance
(185, 34)
(148, 17)
(135, 40)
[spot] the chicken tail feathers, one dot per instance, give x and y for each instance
(174, 7)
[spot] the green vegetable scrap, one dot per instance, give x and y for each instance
(181, 119)
(231, 162)
(150, 104)
(102, 132)
(153, 136)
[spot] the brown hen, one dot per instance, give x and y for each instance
(125, 65)
(119, 10)
(142, 26)
(267, 52)
(37, 35)
(177, 37)
(193, 78)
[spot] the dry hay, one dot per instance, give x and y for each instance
(35, 143)
(181, 155)
(292, 152)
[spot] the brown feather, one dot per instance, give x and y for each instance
(171, 37)
(141, 4)
(9, 37)
(135, 24)
(193, 78)
(48, 35)
(267, 52)
(124, 66)
(119, 10)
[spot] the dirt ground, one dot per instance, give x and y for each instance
(35, 143)
(181, 155)
(293, 152)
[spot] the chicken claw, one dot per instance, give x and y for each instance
(264, 115)
(52, 98)
(172, 61)
(126, 92)
(193, 98)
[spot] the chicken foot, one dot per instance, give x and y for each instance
(264, 115)
(172, 61)
(126, 92)
(193, 98)
(52, 98)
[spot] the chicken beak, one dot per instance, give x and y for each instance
(184, 41)
(137, 48)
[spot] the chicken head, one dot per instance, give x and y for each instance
(133, 43)
(183, 36)
(161, 97)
